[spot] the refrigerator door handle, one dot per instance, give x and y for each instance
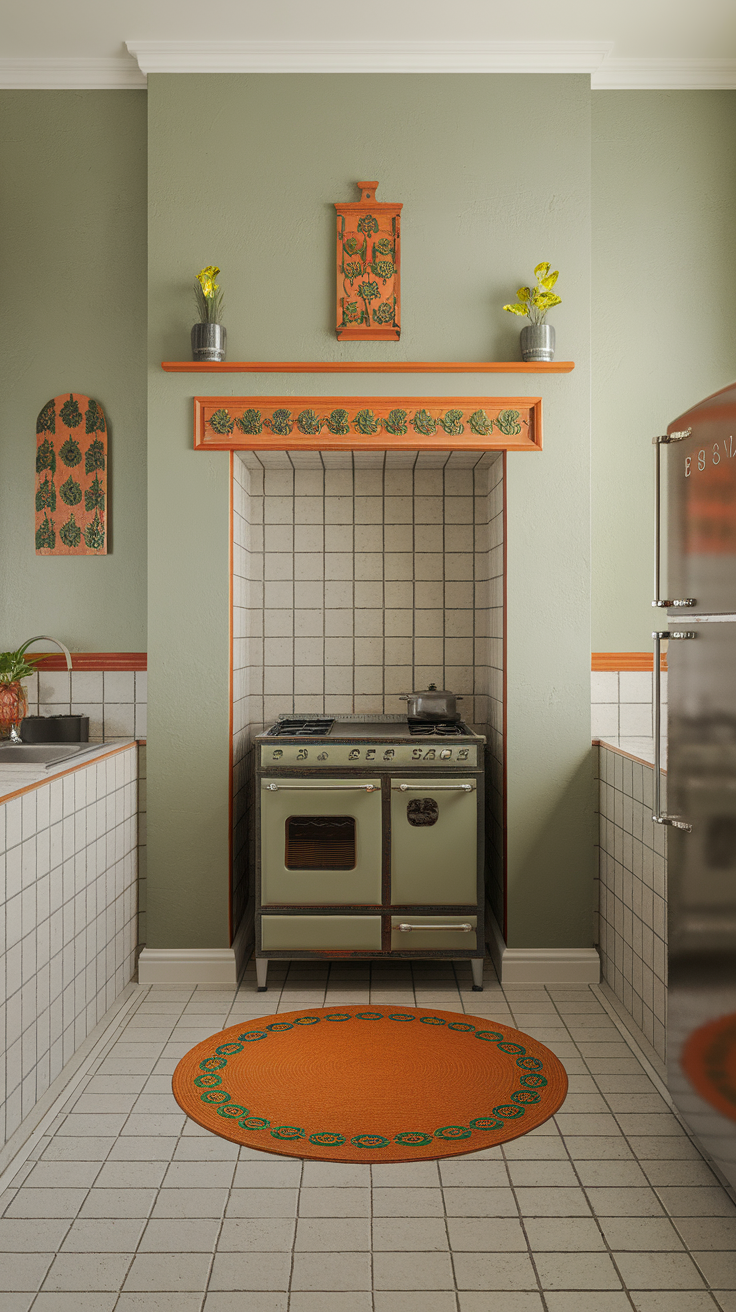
(666, 439)
(658, 817)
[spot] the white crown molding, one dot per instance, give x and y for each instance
(664, 75)
(119, 73)
(369, 56)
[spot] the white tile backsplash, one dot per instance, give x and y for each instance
(114, 700)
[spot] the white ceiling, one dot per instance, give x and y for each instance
(675, 35)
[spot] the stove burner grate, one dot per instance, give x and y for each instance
(301, 728)
(438, 729)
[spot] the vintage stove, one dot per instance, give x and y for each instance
(369, 840)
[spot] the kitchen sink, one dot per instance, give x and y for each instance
(42, 753)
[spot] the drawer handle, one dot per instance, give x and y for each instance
(433, 788)
(460, 929)
(321, 788)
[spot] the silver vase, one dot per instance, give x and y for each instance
(538, 342)
(209, 342)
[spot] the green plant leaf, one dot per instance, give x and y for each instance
(542, 270)
(516, 309)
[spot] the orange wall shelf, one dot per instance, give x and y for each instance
(369, 367)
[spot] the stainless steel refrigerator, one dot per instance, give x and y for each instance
(700, 810)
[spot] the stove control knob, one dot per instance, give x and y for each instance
(446, 754)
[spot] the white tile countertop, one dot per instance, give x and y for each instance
(16, 778)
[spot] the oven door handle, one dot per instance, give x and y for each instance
(433, 788)
(322, 788)
(461, 929)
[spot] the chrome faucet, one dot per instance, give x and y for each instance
(15, 737)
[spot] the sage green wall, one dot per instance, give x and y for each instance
(494, 174)
(73, 317)
(664, 329)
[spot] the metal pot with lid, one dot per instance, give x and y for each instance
(432, 704)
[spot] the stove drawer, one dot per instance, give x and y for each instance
(320, 841)
(302, 933)
(434, 841)
(425, 933)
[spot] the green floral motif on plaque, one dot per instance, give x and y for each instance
(395, 422)
(351, 313)
(280, 423)
(46, 422)
(367, 224)
(94, 497)
(250, 423)
(71, 494)
(383, 269)
(353, 269)
(507, 423)
(46, 457)
(452, 423)
(94, 534)
(70, 533)
(94, 419)
(221, 421)
(338, 422)
(94, 456)
(46, 495)
(384, 312)
(71, 452)
(70, 413)
(424, 423)
(45, 535)
(480, 424)
(367, 423)
(308, 423)
(351, 245)
(369, 291)
(384, 246)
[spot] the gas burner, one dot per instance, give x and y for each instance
(438, 729)
(300, 728)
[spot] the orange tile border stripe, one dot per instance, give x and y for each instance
(96, 660)
(625, 660)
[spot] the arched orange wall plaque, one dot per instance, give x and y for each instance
(368, 269)
(368, 423)
(71, 477)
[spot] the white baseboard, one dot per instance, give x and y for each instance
(540, 965)
(208, 966)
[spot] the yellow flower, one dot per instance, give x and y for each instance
(206, 279)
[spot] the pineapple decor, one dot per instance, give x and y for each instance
(71, 477)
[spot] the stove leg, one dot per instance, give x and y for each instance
(476, 965)
(262, 973)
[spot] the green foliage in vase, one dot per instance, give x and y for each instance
(338, 423)
(46, 495)
(208, 295)
(384, 313)
(221, 421)
(71, 494)
(71, 452)
(353, 269)
(94, 457)
(424, 423)
(367, 224)
(452, 423)
(46, 422)
(15, 665)
(70, 413)
(395, 422)
(280, 423)
(480, 424)
(534, 302)
(94, 420)
(369, 291)
(367, 423)
(45, 456)
(94, 497)
(383, 269)
(308, 423)
(508, 423)
(384, 246)
(45, 535)
(70, 533)
(250, 423)
(94, 534)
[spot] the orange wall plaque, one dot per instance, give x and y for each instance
(364, 423)
(368, 269)
(71, 477)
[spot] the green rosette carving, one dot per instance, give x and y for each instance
(46, 422)
(71, 494)
(452, 423)
(383, 269)
(352, 270)
(94, 456)
(45, 457)
(70, 533)
(424, 423)
(250, 423)
(508, 423)
(384, 313)
(71, 452)
(367, 423)
(384, 246)
(367, 224)
(70, 413)
(45, 535)
(94, 534)
(46, 495)
(94, 497)
(352, 313)
(351, 245)
(280, 423)
(309, 423)
(369, 291)
(480, 424)
(338, 423)
(395, 423)
(94, 420)
(222, 422)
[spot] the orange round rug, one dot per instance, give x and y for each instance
(378, 1084)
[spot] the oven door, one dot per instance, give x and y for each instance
(320, 841)
(434, 842)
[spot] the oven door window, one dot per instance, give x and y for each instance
(320, 842)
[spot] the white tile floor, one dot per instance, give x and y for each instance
(126, 1205)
